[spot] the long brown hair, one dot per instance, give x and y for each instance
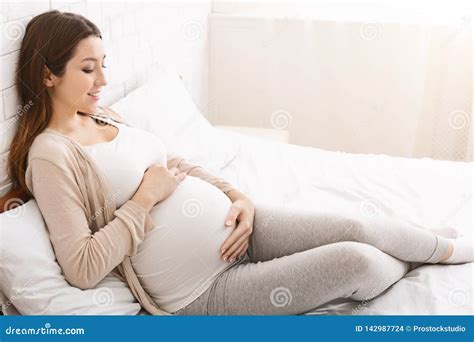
(50, 40)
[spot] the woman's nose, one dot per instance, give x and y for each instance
(102, 80)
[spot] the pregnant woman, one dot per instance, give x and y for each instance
(114, 201)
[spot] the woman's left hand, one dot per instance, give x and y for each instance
(241, 212)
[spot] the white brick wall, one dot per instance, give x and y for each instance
(138, 36)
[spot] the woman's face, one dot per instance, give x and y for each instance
(79, 87)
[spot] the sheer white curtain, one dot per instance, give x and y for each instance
(358, 76)
(445, 119)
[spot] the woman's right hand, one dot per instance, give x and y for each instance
(157, 184)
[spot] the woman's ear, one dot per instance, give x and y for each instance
(48, 77)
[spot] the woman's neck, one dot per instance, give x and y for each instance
(67, 122)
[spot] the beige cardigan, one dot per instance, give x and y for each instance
(90, 236)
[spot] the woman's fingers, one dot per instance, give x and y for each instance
(240, 227)
(239, 236)
(241, 251)
(174, 171)
(181, 176)
(234, 212)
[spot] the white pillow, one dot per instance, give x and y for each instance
(32, 280)
(7, 308)
(164, 107)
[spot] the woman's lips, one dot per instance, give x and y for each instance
(95, 97)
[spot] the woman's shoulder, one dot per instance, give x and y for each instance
(52, 147)
(47, 153)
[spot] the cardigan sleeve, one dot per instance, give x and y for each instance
(85, 257)
(198, 171)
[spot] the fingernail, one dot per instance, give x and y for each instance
(225, 258)
(228, 222)
(222, 251)
(232, 260)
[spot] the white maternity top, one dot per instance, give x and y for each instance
(180, 257)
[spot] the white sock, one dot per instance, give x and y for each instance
(446, 232)
(463, 251)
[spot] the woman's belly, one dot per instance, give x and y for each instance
(180, 256)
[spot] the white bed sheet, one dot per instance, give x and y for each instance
(427, 192)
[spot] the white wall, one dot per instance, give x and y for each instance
(397, 88)
(138, 36)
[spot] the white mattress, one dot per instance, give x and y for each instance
(424, 191)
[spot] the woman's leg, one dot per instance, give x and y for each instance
(279, 231)
(300, 282)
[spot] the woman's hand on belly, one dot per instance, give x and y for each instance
(157, 184)
(236, 244)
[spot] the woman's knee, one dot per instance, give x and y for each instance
(356, 229)
(361, 256)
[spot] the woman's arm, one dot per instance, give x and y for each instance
(200, 172)
(85, 257)
(235, 195)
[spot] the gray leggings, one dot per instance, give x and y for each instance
(299, 260)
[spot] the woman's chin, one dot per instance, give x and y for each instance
(90, 108)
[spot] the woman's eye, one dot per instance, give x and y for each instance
(88, 71)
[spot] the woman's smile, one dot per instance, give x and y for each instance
(95, 95)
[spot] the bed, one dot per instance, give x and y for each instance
(425, 192)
